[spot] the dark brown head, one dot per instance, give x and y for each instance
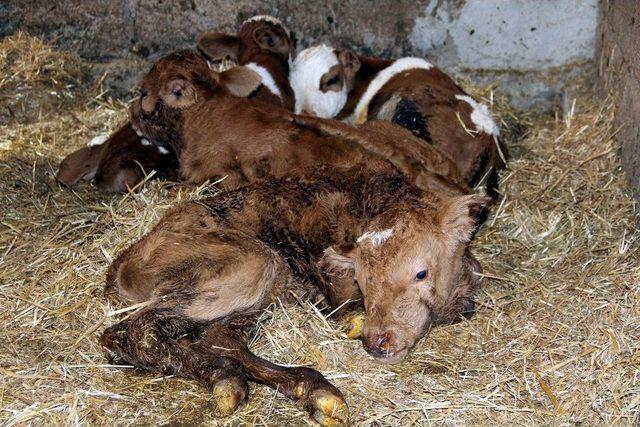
(177, 83)
(415, 270)
(260, 35)
(117, 163)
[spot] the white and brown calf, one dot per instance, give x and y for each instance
(410, 92)
(265, 46)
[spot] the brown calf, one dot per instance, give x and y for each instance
(215, 133)
(118, 163)
(410, 92)
(210, 268)
(263, 45)
(265, 48)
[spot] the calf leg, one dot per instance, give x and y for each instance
(216, 355)
(160, 339)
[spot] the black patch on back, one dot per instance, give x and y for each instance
(480, 169)
(409, 117)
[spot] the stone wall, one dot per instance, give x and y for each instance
(618, 67)
(530, 47)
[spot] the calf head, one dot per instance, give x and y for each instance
(261, 34)
(178, 83)
(321, 78)
(414, 270)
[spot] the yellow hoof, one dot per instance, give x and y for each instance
(228, 395)
(356, 324)
(329, 410)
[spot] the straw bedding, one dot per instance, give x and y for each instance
(554, 340)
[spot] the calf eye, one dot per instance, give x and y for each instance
(421, 275)
(333, 80)
(143, 93)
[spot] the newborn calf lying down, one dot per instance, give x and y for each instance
(410, 92)
(363, 234)
(202, 116)
(119, 162)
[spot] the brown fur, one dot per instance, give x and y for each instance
(210, 267)
(219, 135)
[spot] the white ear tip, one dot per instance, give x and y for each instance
(98, 140)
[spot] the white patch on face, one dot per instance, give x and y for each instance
(271, 19)
(145, 142)
(481, 116)
(98, 140)
(163, 150)
(361, 111)
(266, 77)
(377, 237)
(308, 68)
(137, 131)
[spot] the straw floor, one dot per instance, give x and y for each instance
(554, 339)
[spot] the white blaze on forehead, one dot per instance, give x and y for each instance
(266, 77)
(376, 237)
(163, 150)
(480, 116)
(308, 68)
(98, 140)
(361, 111)
(270, 19)
(145, 142)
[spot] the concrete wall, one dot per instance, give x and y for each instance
(531, 47)
(619, 75)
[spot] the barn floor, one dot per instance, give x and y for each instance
(555, 339)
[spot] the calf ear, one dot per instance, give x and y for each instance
(240, 81)
(459, 217)
(350, 63)
(179, 93)
(218, 46)
(337, 262)
(272, 40)
(81, 164)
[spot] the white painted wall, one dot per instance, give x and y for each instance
(507, 34)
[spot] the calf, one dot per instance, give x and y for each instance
(120, 163)
(410, 92)
(263, 45)
(210, 267)
(217, 134)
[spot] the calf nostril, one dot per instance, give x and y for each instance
(383, 342)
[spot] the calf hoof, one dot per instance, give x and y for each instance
(321, 399)
(356, 325)
(328, 409)
(229, 393)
